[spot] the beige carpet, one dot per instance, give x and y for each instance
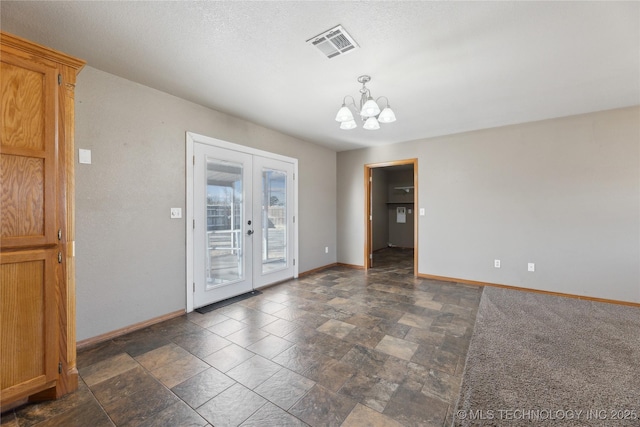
(536, 359)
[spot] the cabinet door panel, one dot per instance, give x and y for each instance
(29, 148)
(23, 107)
(28, 311)
(22, 196)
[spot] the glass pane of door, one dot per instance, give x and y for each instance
(222, 230)
(274, 220)
(224, 241)
(274, 207)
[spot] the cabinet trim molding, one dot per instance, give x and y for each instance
(40, 51)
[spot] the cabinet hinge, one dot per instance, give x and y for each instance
(194, 286)
(59, 79)
(59, 257)
(370, 179)
(59, 367)
(194, 224)
(59, 233)
(194, 160)
(370, 256)
(294, 261)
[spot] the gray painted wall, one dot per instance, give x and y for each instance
(562, 193)
(130, 254)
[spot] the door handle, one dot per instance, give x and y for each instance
(249, 233)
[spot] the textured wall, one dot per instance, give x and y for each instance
(130, 254)
(562, 193)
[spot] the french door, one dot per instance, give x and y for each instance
(243, 221)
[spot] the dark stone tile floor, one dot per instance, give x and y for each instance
(340, 347)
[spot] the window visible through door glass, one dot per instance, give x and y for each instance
(274, 220)
(224, 240)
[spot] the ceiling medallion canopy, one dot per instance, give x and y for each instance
(370, 112)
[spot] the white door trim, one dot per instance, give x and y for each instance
(190, 140)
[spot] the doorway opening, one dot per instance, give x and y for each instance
(391, 218)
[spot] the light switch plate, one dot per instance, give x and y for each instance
(84, 156)
(421, 211)
(176, 213)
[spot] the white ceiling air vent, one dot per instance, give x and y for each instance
(334, 42)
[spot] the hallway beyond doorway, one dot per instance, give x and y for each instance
(390, 259)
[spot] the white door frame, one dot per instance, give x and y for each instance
(190, 140)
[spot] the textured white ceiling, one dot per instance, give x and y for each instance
(446, 67)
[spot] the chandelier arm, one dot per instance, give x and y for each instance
(350, 104)
(387, 99)
(344, 100)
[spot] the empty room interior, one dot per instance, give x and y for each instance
(320, 213)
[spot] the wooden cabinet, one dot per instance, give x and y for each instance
(37, 288)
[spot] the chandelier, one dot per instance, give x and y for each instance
(369, 110)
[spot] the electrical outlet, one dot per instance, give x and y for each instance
(176, 213)
(496, 263)
(326, 249)
(531, 267)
